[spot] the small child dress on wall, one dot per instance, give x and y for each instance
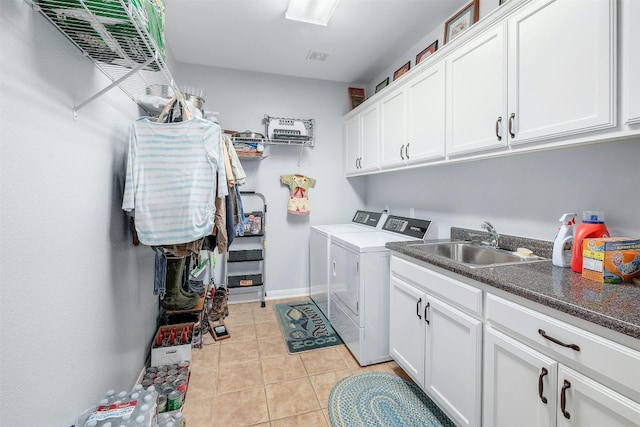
(298, 199)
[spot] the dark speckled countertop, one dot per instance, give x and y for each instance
(613, 306)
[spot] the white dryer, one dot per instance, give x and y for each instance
(359, 285)
(320, 244)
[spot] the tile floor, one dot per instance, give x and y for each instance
(250, 379)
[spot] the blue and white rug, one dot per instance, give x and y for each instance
(382, 399)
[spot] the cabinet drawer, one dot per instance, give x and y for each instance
(457, 293)
(593, 353)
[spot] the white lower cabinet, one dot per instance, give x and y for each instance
(527, 386)
(526, 369)
(587, 403)
(519, 384)
(438, 345)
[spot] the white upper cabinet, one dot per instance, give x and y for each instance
(426, 115)
(353, 144)
(631, 59)
(561, 69)
(477, 94)
(393, 113)
(362, 140)
(413, 120)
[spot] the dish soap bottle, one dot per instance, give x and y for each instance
(563, 242)
(592, 226)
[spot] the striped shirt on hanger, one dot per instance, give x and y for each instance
(171, 179)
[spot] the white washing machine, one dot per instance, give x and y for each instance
(320, 244)
(359, 285)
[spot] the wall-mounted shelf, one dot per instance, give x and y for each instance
(121, 37)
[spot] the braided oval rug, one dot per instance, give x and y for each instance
(382, 399)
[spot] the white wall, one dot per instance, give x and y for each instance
(76, 298)
(522, 195)
(486, 6)
(242, 99)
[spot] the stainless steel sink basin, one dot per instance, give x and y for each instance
(474, 256)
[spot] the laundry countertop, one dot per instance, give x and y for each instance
(613, 306)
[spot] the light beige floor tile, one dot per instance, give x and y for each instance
(327, 418)
(282, 368)
(240, 376)
(309, 419)
(202, 384)
(238, 351)
(348, 358)
(268, 329)
(241, 408)
(323, 360)
(239, 319)
(270, 347)
(198, 412)
(242, 332)
(266, 314)
(240, 307)
(323, 384)
(205, 358)
(290, 398)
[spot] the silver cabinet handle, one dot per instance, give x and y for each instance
(512, 119)
(498, 124)
(401, 155)
(406, 151)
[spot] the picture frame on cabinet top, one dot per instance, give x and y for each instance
(461, 21)
(356, 96)
(382, 85)
(401, 71)
(427, 52)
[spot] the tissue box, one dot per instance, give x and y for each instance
(611, 259)
(175, 353)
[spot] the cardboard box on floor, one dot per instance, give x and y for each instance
(173, 353)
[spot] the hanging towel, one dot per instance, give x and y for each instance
(171, 179)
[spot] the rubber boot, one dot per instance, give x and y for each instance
(174, 299)
(185, 289)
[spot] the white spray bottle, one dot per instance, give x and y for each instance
(563, 243)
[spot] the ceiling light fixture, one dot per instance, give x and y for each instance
(316, 12)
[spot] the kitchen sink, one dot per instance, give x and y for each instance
(473, 255)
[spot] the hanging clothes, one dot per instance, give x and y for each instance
(239, 175)
(298, 187)
(172, 171)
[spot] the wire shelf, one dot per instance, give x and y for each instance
(115, 35)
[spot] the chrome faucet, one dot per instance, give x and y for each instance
(494, 234)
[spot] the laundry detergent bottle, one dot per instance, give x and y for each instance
(592, 226)
(563, 243)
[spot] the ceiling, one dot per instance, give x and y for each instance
(362, 39)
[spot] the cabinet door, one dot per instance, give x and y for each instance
(477, 94)
(519, 384)
(406, 328)
(426, 115)
(353, 144)
(370, 157)
(561, 69)
(586, 403)
(393, 128)
(453, 361)
(631, 42)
